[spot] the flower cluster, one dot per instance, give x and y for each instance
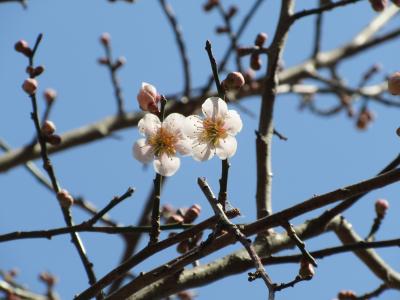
(202, 138)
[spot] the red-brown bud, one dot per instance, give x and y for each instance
(306, 270)
(394, 83)
(48, 279)
(398, 131)
(103, 61)
(381, 207)
(378, 5)
(221, 29)
(23, 47)
(120, 62)
(183, 247)
(48, 128)
(49, 95)
(210, 5)
(105, 39)
(185, 295)
(260, 39)
(30, 86)
(346, 295)
(65, 198)
(54, 139)
(255, 62)
(175, 218)
(232, 11)
(37, 71)
(192, 213)
(233, 81)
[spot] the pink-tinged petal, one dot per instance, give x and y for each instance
(142, 151)
(174, 123)
(233, 122)
(183, 146)
(202, 152)
(151, 89)
(192, 126)
(214, 107)
(149, 124)
(226, 147)
(166, 165)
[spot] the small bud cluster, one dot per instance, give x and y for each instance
(255, 59)
(210, 4)
(365, 117)
(394, 84)
(49, 279)
(381, 207)
(65, 199)
(48, 131)
(105, 40)
(347, 295)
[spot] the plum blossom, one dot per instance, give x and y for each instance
(215, 134)
(163, 140)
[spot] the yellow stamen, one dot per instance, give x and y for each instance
(163, 142)
(213, 131)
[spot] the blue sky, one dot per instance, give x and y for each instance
(321, 154)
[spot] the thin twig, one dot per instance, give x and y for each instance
(181, 46)
(323, 8)
(375, 293)
(318, 33)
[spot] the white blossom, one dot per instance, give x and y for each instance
(215, 133)
(162, 142)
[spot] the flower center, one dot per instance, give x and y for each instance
(213, 131)
(163, 142)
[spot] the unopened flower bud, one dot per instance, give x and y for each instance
(192, 213)
(105, 39)
(48, 128)
(378, 5)
(65, 198)
(120, 62)
(29, 86)
(365, 117)
(381, 207)
(260, 39)
(48, 278)
(232, 11)
(148, 98)
(398, 131)
(346, 295)
(221, 29)
(394, 83)
(49, 95)
(255, 62)
(23, 47)
(37, 71)
(53, 139)
(210, 5)
(249, 75)
(185, 295)
(306, 269)
(183, 247)
(103, 61)
(233, 81)
(175, 218)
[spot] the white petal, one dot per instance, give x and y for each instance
(214, 107)
(166, 165)
(233, 123)
(183, 146)
(149, 124)
(226, 147)
(192, 126)
(149, 88)
(142, 151)
(174, 123)
(202, 152)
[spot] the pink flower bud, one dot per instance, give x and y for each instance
(103, 61)
(183, 247)
(105, 39)
(29, 86)
(394, 83)
(49, 95)
(306, 269)
(381, 206)
(37, 71)
(65, 198)
(378, 5)
(23, 47)
(210, 5)
(232, 11)
(398, 131)
(260, 39)
(48, 278)
(233, 81)
(48, 128)
(148, 98)
(185, 295)
(192, 213)
(120, 62)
